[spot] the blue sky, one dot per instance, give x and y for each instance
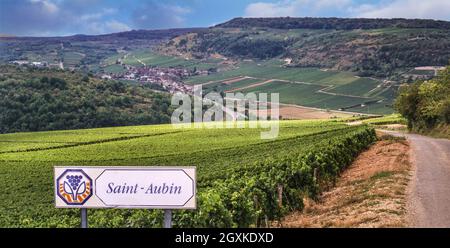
(67, 17)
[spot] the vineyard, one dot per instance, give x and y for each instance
(386, 120)
(144, 57)
(243, 181)
(310, 87)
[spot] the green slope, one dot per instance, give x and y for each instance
(26, 167)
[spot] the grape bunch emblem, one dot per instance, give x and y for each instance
(74, 182)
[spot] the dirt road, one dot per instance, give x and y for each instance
(429, 192)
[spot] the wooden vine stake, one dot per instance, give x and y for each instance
(315, 175)
(280, 195)
(255, 200)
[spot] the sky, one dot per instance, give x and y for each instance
(69, 17)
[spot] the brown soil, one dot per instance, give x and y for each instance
(354, 123)
(251, 86)
(370, 193)
(394, 127)
(221, 80)
(234, 80)
(291, 112)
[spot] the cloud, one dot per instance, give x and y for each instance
(107, 27)
(58, 17)
(153, 15)
(23, 16)
(425, 9)
(64, 17)
(46, 6)
(430, 9)
(294, 8)
(116, 26)
(331, 3)
(98, 15)
(270, 9)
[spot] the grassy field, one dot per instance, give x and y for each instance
(227, 85)
(387, 97)
(305, 95)
(72, 59)
(27, 160)
(112, 59)
(386, 120)
(273, 69)
(347, 91)
(358, 87)
(149, 58)
(114, 68)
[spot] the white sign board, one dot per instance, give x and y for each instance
(125, 187)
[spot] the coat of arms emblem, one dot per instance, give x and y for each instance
(74, 187)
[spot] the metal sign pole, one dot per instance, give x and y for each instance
(167, 218)
(84, 220)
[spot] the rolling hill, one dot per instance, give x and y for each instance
(47, 99)
(353, 64)
(369, 47)
(82, 52)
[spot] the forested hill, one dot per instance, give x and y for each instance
(333, 23)
(113, 37)
(42, 99)
(383, 48)
(83, 52)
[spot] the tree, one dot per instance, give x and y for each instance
(426, 104)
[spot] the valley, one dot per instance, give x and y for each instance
(314, 63)
(107, 100)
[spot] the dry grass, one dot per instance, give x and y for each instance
(370, 193)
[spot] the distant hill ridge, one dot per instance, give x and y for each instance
(333, 23)
(132, 35)
(384, 48)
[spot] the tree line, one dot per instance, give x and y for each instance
(333, 23)
(42, 99)
(426, 104)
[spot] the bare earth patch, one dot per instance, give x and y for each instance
(251, 86)
(370, 193)
(304, 113)
(291, 112)
(395, 127)
(234, 80)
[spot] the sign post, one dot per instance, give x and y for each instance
(165, 188)
(167, 218)
(84, 220)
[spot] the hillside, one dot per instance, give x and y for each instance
(46, 99)
(352, 65)
(332, 23)
(84, 52)
(370, 47)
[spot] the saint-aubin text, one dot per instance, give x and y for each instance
(165, 188)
